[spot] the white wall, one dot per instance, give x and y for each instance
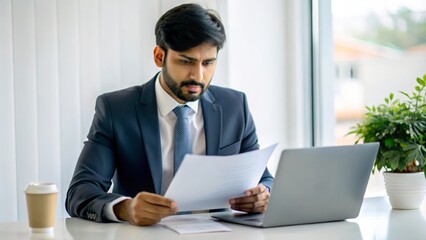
(8, 191)
(268, 46)
(56, 56)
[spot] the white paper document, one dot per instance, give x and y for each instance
(187, 224)
(208, 182)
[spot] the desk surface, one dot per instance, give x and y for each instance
(376, 221)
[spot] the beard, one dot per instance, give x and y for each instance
(176, 88)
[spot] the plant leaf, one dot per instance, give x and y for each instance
(400, 127)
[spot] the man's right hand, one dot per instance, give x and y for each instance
(145, 209)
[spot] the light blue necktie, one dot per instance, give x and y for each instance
(181, 141)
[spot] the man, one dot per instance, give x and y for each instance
(131, 139)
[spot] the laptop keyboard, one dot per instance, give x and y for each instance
(257, 219)
(250, 217)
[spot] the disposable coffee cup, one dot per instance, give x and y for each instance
(41, 206)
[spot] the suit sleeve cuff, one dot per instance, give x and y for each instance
(108, 210)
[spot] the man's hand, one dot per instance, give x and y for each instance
(255, 200)
(145, 209)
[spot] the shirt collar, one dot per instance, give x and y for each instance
(166, 103)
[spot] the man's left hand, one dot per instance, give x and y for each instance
(255, 200)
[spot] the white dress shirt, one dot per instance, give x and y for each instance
(167, 120)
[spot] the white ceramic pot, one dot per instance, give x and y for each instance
(405, 190)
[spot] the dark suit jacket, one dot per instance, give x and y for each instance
(124, 145)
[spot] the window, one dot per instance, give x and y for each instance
(379, 48)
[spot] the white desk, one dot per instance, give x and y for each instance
(376, 221)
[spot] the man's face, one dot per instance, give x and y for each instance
(185, 75)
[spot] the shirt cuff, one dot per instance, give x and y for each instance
(267, 188)
(108, 210)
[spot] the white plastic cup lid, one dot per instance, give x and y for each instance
(41, 188)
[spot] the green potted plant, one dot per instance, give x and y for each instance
(400, 127)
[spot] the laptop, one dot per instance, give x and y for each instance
(313, 185)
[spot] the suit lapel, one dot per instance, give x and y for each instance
(212, 114)
(150, 131)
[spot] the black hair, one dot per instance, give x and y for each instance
(187, 26)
